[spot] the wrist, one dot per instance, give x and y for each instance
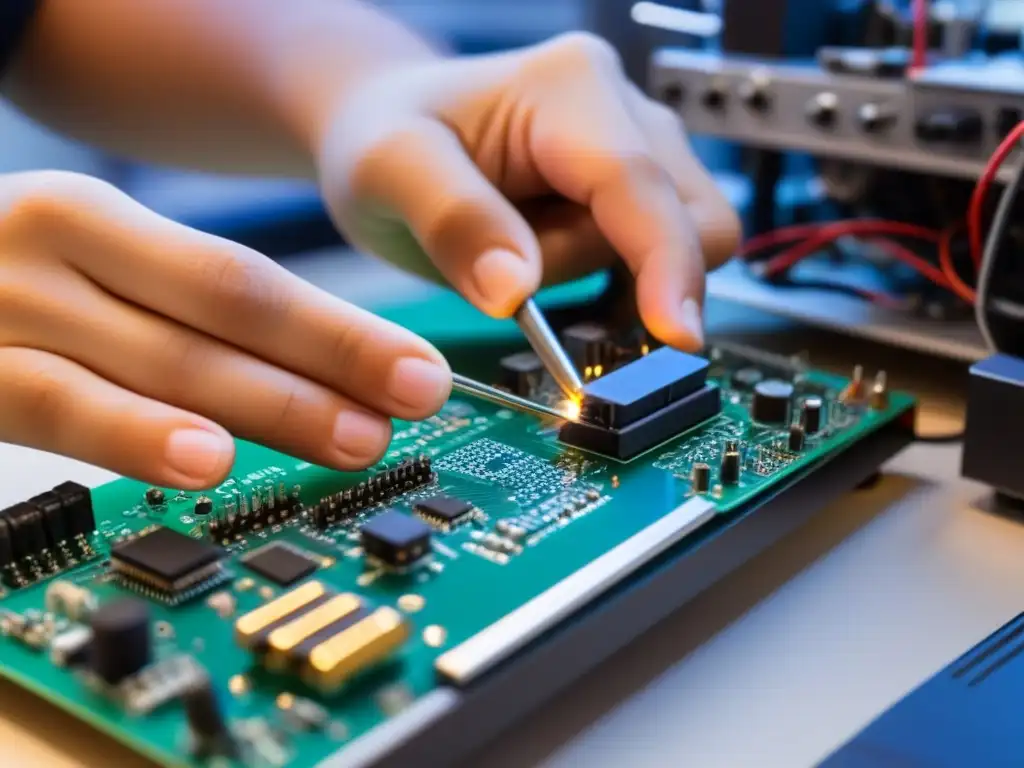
(333, 54)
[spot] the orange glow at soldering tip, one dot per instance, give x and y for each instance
(571, 409)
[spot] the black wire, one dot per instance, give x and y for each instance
(993, 247)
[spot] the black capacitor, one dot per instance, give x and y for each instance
(771, 401)
(54, 516)
(155, 497)
(521, 373)
(121, 642)
(796, 438)
(77, 501)
(729, 472)
(810, 415)
(204, 505)
(206, 721)
(28, 535)
(6, 551)
(700, 478)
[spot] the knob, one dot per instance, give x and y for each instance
(673, 95)
(823, 110)
(875, 118)
(714, 98)
(755, 94)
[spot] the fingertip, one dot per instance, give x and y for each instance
(198, 456)
(360, 439)
(419, 387)
(502, 280)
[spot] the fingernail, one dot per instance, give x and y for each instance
(360, 436)
(501, 278)
(419, 384)
(197, 454)
(690, 313)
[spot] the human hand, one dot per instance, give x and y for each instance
(502, 172)
(138, 344)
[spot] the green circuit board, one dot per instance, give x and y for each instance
(570, 507)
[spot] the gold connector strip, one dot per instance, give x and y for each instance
(287, 636)
(251, 624)
(351, 650)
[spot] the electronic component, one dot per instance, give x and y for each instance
(795, 443)
(6, 547)
(323, 636)
(71, 648)
(54, 517)
(121, 643)
(810, 415)
(203, 506)
(746, 378)
(264, 507)
(76, 500)
(223, 603)
(25, 522)
(280, 563)
(729, 473)
(155, 497)
(642, 387)
(995, 418)
(175, 566)
(65, 598)
(589, 346)
(628, 442)
(160, 683)
(771, 402)
(207, 725)
(386, 484)
(444, 511)
(366, 642)
(395, 539)
(879, 397)
(521, 373)
(302, 714)
(700, 478)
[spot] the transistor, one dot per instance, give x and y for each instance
(729, 473)
(155, 497)
(521, 373)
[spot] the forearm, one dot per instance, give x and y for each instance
(226, 85)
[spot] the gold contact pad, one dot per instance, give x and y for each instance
(336, 659)
(288, 636)
(249, 626)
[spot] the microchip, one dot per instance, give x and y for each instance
(395, 539)
(169, 562)
(280, 563)
(444, 511)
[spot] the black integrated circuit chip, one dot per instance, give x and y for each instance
(444, 511)
(280, 563)
(396, 539)
(166, 561)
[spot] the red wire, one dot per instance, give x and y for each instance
(977, 207)
(920, 56)
(853, 227)
(958, 286)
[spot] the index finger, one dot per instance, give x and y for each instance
(587, 146)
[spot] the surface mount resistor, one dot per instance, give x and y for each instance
(700, 478)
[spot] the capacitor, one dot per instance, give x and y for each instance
(204, 505)
(205, 717)
(729, 472)
(796, 438)
(155, 497)
(771, 401)
(700, 478)
(121, 643)
(810, 415)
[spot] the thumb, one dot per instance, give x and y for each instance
(474, 236)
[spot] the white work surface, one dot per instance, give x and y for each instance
(774, 666)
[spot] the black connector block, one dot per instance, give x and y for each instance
(649, 431)
(995, 420)
(641, 388)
